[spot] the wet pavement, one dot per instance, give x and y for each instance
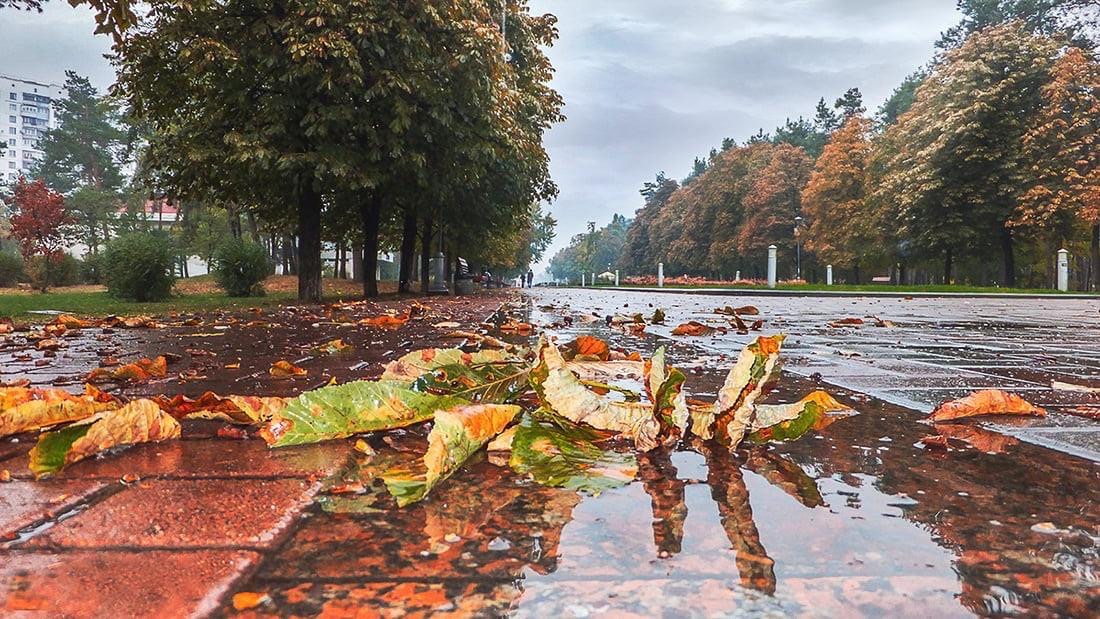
(855, 520)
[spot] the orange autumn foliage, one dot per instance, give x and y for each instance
(986, 402)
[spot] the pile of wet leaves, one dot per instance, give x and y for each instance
(573, 416)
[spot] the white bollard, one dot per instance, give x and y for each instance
(582, 280)
(828, 275)
(737, 277)
(616, 277)
(772, 255)
(1063, 270)
(660, 275)
(593, 280)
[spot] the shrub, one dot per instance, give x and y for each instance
(64, 271)
(11, 269)
(240, 267)
(91, 269)
(139, 266)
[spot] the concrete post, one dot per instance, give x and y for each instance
(1063, 270)
(772, 256)
(660, 275)
(828, 275)
(593, 280)
(582, 280)
(737, 276)
(616, 278)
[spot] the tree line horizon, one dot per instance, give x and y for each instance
(977, 169)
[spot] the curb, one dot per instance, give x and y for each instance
(764, 292)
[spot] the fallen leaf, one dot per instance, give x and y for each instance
(419, 362)
(72, 322)
(496, 383)
(352, 408)
(139, 421)
(5, 476)
(247, 600)
(232, 432)
(883, 323)
(23, 409)
(333, 347)
(846, 322)
(457, 433)
(664, 386)
(786, 422)
(734, 410)
(503, 441)
(522, 328)
(563, 393)
(191, 374)
(448, 324)
(484, 340)
(658, 317)
(286, 369)
(564, 455)
(49, 344)
(586, 348)
(985, 402)
(137, 372)
(694, 328)
(386, 321)
(607, 371)
(936, 442)
(977, 437)
(744, 310)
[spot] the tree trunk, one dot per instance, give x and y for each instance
(357, 261)
(901, 273)
(426, 253)
(408, 251)
(855, 273)
(948, 258)
(1094, 256)
(1009, 258)
(309, 243)
(235, 221)
(370, 212)
(342, 261)
(253, 227)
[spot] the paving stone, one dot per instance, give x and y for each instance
(118, 584)
(186, 513)
(383, 599)
(23, 502)
(210, 458)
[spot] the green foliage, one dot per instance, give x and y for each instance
(593, 252)
(60, 270)
(139, 266)
(11, 269)
(91, 269)
(240, 267)
(558, 452)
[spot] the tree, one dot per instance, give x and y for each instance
(638, 253)
(833, 201)
(1073, 19)
(774, 200)
(825, 119)
(801, 133)
(850, 104)
(697, 167)
(86, 148)
(956, 175)
(1062, 148)
(900, 100)
(38, 225)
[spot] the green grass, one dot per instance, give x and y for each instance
(877, 288)
(18, 306)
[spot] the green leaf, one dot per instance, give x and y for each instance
(458, 433)
(48, 456)
(666, 388)
(787, 422)
(352, 408)
(563, 454)
(496, 383)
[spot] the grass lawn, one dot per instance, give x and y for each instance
(876, 288)
(192, 294)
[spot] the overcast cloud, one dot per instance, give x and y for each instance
(648, 84)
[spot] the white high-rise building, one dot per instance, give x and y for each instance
(26, 113)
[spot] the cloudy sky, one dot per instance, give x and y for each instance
(648, 84)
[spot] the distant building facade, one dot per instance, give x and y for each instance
(26, 113)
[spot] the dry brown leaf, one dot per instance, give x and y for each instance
(286, 369)
(587, 348)
(136, 372)
(986, 402)
(846, 322)
(693, 328)
(385, 321)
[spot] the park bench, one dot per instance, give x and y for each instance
(882, 279)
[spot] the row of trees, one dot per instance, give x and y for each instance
(413, 127)
(978, 168)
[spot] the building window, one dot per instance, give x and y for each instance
(11, 95)
(11, 142)
(11, 119)
(11, 153)
(11, 130)
(11, 164)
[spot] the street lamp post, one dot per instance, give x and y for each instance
(798, 248)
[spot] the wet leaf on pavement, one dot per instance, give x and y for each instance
(352, 408)
(564, 393)
(419, 362)
(485, 382)
(286, 369)
(333, 347)
(586, 348)
(665, 388)
(139, 371)
(24, 409)
(786, 422)
(695, 328)
(140, 421)
(458, 432)
(985, 402)
(386, 321)
(734, 410)
(564, 455)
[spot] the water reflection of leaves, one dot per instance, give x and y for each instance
(785, 475)
(666, 493)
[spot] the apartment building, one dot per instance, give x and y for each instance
(26, 113)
